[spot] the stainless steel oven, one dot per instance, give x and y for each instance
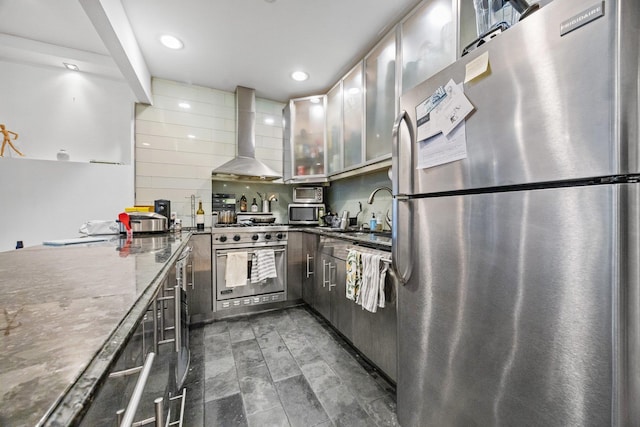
(248, 239)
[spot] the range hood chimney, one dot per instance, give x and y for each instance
(245, 166)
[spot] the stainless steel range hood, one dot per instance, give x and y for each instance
(245, 166)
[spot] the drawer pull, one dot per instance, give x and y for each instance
(132, 407)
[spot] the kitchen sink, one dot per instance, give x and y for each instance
(360, 232)
(369, 233)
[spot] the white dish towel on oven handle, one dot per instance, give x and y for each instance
(263, 265)
(236, 270)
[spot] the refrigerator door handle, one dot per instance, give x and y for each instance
(402, 257)
(395, 153)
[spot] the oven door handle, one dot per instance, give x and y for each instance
(248, 252)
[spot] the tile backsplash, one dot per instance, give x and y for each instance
(283, 193)
(351, 193)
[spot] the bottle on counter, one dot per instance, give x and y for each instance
(373, 222)
(243, 204)
(200, 217)
(320, 215)
(379, 222)
(254, 206)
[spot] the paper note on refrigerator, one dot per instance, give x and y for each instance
(443, 111)
(453, 108)
(426, 126)
(441, 149)
(477, 67)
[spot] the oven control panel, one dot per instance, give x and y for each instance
(229, 237)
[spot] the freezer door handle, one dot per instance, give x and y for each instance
(402, 257)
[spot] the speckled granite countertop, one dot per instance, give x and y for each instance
(365, 238)
(67, 311)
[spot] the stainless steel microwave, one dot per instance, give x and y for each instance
(305, 213)
(308, 195)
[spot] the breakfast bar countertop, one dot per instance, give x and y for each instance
(67, 313)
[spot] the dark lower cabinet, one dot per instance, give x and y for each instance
(295, 264)
(309, 267)
(341, 307)
(154, 360)
(200, 281)
(373, 334)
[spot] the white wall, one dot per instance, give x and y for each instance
(53, 108)
(91, 117)
(171, 165)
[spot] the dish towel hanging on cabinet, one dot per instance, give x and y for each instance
(236, 270)
(263, 265)
(354, 274)
(374, 273)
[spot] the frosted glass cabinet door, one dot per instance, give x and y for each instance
(353, 116)
(380, 81)
(334, 129)
(308, 119)
(428, 42)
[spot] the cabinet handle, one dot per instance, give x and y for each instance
(324, 273)
(177, 323)
(309, 272)
(132, 406)
(177, 305)
(193, 275)
(331, 267)
(155, 324)
(248, 253)
(159, 407)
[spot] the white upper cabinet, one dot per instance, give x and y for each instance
(304, 156)
(428, 41)
(335, 158)
(353, 113)
(359, 111)
(380, 84)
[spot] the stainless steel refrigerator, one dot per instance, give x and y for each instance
(520, 263)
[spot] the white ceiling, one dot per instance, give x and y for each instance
(252, 43)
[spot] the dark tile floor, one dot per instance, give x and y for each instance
(282, 368)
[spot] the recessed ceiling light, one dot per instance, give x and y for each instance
(171, 42)
(184, 105)
(314, 100)
(146, 144)
(299, 76)
(269, 121)
(73, 67)
(191, 136)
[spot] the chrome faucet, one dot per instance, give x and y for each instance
(373, 193)
(387, 219)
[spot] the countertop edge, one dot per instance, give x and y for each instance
(346, 236)
(74, 401)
